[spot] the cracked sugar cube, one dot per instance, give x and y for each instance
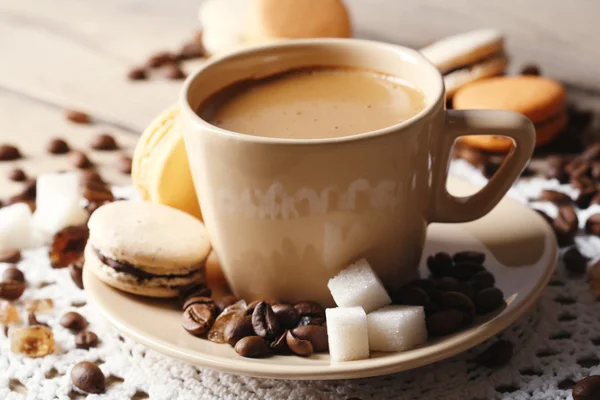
(8, 313)
(396, 328)
(15, 226)
(39, 305)
(34, 341)
(347, 333)
(358, 285)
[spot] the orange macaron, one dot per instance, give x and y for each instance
(542, 100)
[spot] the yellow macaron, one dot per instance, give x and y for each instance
(542, 100)
(160, 168)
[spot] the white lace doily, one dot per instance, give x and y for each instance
(555, 345)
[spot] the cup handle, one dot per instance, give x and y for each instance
(448, 208)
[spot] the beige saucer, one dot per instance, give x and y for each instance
(521, 252)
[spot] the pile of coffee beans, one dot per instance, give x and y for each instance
(258, 329)
(458, 289)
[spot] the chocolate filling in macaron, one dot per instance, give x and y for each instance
(138, 272)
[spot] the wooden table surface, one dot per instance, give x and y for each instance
(57, 54)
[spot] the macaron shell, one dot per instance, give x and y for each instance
(486, 69)
(155, 238)
(296, 19)
(160, 168)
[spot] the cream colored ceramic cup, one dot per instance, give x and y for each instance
(285, 215)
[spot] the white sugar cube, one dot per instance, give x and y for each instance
(15, 226)
(358, 285)
(58, 203)
(347, 333)
(396, 328)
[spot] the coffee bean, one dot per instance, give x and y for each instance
(279, 345)
(575, 262)
(97, 193)
(265, 322)
(13, 274)
(497, 354)
(250, 308)
(57, 146)
(444, 322)
(252, 347)
(585, 198)
(316, 335)
(286, 314)
(440, 264)
(308, 320)
(73, 321)
(197, 319)
(173, 71)
(237, 328)
(447, 284)
(531, 69)
(32, 320)
(86, 340)
(17, 175)
(427, 285)
(482, 280)
(566, 222)
(464, 270)
(579, 168)
(591, 153)
(595, 171)
(137, 74)
(192, 290)
(554, 197)
(592, 225)
(9, 153)
(88, 377)
(299, 346)
(76, 272)
(411, 296)
(104, 142)
(91, 177)
(80, 160)
(582, 183)
(191, 50)
(556, 168)
(199, 300)
(11, 290)
(68, 245)
(124, 165)
(587, 389)
(465, 288)
(159, 59)
(488, 300)
(77, 117)
(458, 301)
(310, 308)
(223, 302)
(471, 256)
(30, 189)
(10, 256)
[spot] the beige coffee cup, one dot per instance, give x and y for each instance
(285, 215)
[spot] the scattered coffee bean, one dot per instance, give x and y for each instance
(286, 314)
(97, 193)
(280, 346)
(73, 321)
(440, 264)
(555, 197)
(197, 319)
(583, 183)
(310, 309)
(76, 272)
(104, 142)
(592, 225)
(488, 300)
(91, 177)
(556, 168)
(458, 301)
(68, 245)
(137, 74)
(200, 300)
(17, 175)
(575, 262)
(464, 270)
(193, 290)
(578, 168)
(316, 335)
(191, 50)
(308, 320)
(252, 347)
(13, 274)
(9, 153)
(482, 280)
(265, 322)
(447, 284)
(411, 296)
(465, 288)
(585, 198)
(587, 389)
(11, 290)
(10, 256)
(444, 322)
(124, 165)
(237, 328)
(77, 117)
(472, 256)
(159, 59)
(173, 71)
(595, 171)
(86, 340)
(531, 69)
(88, 377)
(224, 302)
(427, 285)
(497, 354)
(32, 320)
(592, 152)
(566, 222)
(80, 160)
(58, 146)
(299, 346)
